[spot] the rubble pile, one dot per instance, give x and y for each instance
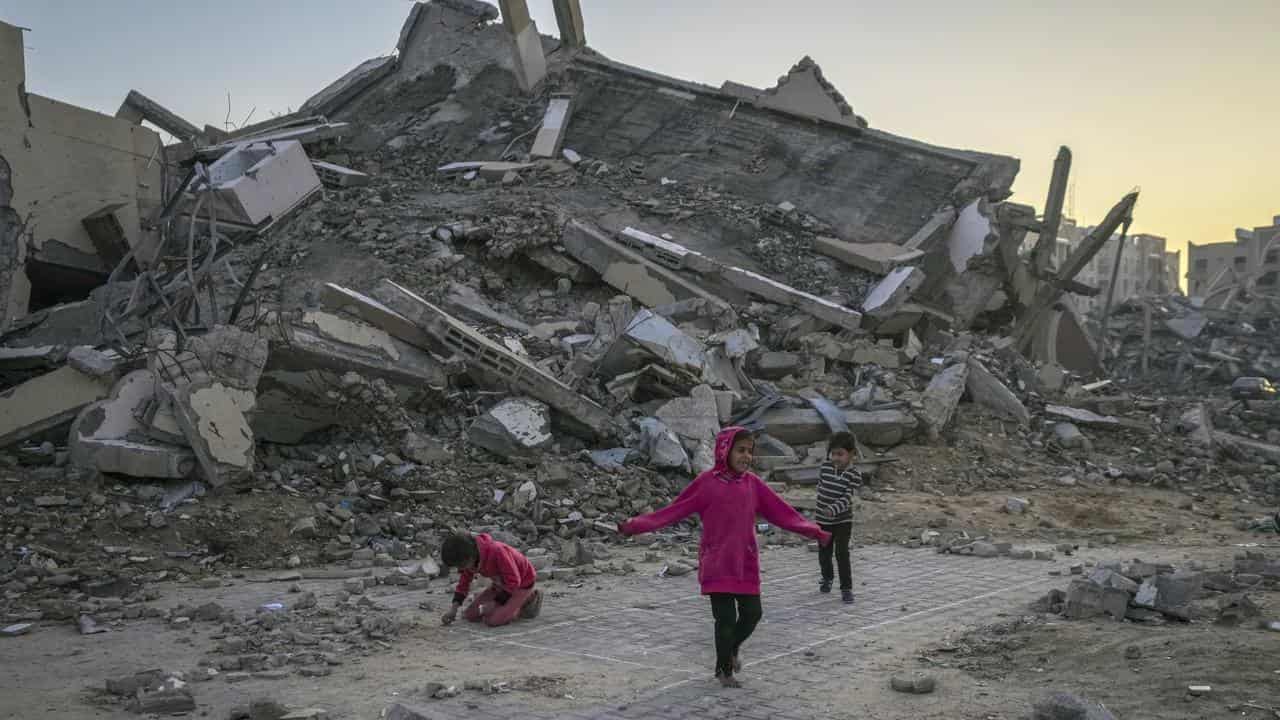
(452, 295)
(1158, 593)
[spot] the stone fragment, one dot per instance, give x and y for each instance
(1069, 436)
(891, 293)
(986, 389)
(16, 629)
(425, 450)
(695, 420)
(514, 428)
(212, 418)
(109, 435)
(915, 683)
(1065, 706)
(1016, 505)
(776, 365)
(93, 363)
(942, 396)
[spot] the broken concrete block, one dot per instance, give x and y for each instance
(555, 122)
(45, 402)
(1084, 600)
(1016, 505)
(1069, 436)
(336, 176)
(290, 406)
(108, 436)
(1081, 416)
(94, 363)
(259, 183)
(213, 422)
(559, 264)
(986, 389)
(465, 300)
(633, 273)
(516, 427)
(890, 294)
(943, 395)
(661, 445)
(656, 336)
(316, 340)
(776, 365)
(232, 355)
(342, 91)
(345, 300)
(776, 292)
(499, 365)
(879, 258)
(107, 235)
(696, 420)
(666, 253)
(1174, 592)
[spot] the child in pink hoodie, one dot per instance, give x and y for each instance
(727, 498)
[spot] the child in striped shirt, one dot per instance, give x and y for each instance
(837, 480)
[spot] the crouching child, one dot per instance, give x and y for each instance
(510, 596)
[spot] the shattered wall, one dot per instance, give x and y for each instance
(66, 163)
(872, 186)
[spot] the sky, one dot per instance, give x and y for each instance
(1176, 98)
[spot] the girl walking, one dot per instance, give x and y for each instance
(727, 499)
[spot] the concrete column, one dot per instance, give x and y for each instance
(530, 62)
(569, 18)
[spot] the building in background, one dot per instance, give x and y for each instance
(1146, 266)
(1252, 261)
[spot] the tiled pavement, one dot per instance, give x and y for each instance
(669, 635)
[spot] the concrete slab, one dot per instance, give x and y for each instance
(497, 364)
(211, 418)
(879, 258)
(530, 62)
(109, 437)
(889, 296)
(667, 253)
(555, 122)
(318, 340)
(942, 396)
(695, 420)
(337, 176)
(45, 402)
(515, 427)
(633, 274)
(342, 91)
(986, 389)
(258, 183)
(345, 300)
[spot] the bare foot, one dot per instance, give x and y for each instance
(729, 681)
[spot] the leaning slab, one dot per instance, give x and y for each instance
(212, 420)
(555, 122)
(45, 402)
(943, 395)
(888, 297)
(316, 340)
(879, 258)
(497, 364)
(632, 273)
(986, 389)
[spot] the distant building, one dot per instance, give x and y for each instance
(1253, 260)
(1146, 267)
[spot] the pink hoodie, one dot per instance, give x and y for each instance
(728, 502)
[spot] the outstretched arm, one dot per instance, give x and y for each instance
(687, 503)
(776, 510)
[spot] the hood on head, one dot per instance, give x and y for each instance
(724, 443)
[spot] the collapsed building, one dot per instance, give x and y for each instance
(507, 240)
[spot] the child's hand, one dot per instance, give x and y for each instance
(622, 527)
(824, 539)
(450, 616)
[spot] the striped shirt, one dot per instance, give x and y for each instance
(835, 494)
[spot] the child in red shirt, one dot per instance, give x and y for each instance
(727, 498)
(512, 593)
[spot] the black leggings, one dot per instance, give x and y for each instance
(839, 546)
(736, 617)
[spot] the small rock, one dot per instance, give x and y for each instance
(916, 684)
(1133, 652)
(1016, 505)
